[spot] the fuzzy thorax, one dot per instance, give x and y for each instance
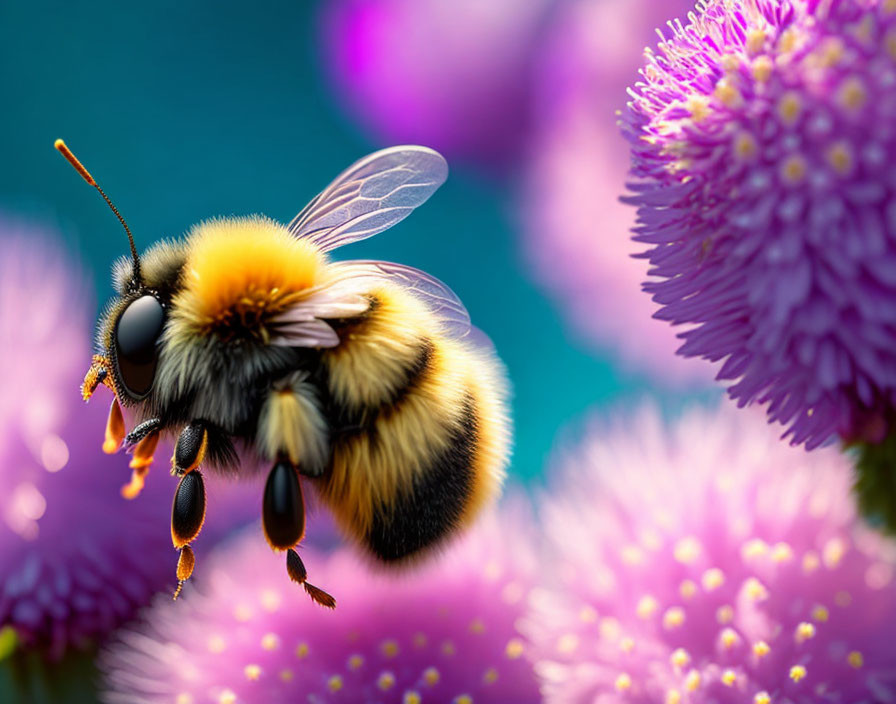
(241, 271)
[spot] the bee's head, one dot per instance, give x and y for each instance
(131, 329)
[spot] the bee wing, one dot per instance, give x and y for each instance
(370, 196)
(434, 293)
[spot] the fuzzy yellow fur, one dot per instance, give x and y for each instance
(375, 469)
(291, 423)
(243, 266)
(375, 354)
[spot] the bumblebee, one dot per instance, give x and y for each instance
(246, 343)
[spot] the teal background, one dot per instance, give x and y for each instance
(183, 111)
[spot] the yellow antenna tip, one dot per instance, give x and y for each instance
(73, 160)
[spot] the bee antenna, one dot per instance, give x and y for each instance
(85, 174)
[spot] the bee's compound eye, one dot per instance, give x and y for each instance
(136, 335)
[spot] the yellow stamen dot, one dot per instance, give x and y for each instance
(355, 662)
(855, 659)
(567, 643)
(729, 638)
(687, 589)
(302, 650)
(712, 579)
(514, 648)
(420, 640)
(490, 676)
(389, 648)
(789, 107)
(448, 648)
(477, 627)
(830, 53)
(753, 548)
(184, 698)
(632, 555)
(463, 699)
(673, 696)
(216, 644)
(242, 612)
(270, 600)
(680, 657)
(811, 562)
(842, 599)
(610, 629)
(833, 552)
(227, 697)
(728, 94)
(687, 550)
(431, 676)
(762, 68)
(762, 698)
(761, 649)
(729, 677)
(412, 698)
(647, 607)
(794, 168)
(852, 94)
(385, 681)
(890, 42)
(252, 672)
(270, 641)
(623, 682)
(725, 614)
(286, 675)
(804, 631)
(334, 684)
(755, 590)
(797, 672)
(730, 62)
(781, 553)
(788, 40)
(627, 645)
(673, 618)
(587, 614)
(820, 614)
(692, 681)
(755, 41)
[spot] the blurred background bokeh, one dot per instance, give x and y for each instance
(185, 111)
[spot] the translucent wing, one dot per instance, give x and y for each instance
(370, 196)
(435, 294)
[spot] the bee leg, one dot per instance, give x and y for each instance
(187, 516)
(283, 520)
(190, 449)
(115, 430)
(140, 464)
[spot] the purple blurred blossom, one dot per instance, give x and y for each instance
(449, 74)
(708, 562)
(76, 559)
(441, 632)
(762, 142)
(576, 229)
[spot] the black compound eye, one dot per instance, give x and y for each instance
(136, 335)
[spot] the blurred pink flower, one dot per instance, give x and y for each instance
(577, 232)
(709, 562)
(76, 559)
(452, 75)
(442, 632)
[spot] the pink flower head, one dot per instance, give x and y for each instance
(577, 230)
(762, 146)
(450, 75)
(76, 559)
(708, 562)
(444, 632)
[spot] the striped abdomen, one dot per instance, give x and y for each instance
(419, 428)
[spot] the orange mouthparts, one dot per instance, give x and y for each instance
(96, 375)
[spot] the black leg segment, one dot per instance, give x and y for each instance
(283, 509)
(188, 509)
(191, 448)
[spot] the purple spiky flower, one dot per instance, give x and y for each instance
(762, 139)
(76, 559)
(707, 562)
(443, 632)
